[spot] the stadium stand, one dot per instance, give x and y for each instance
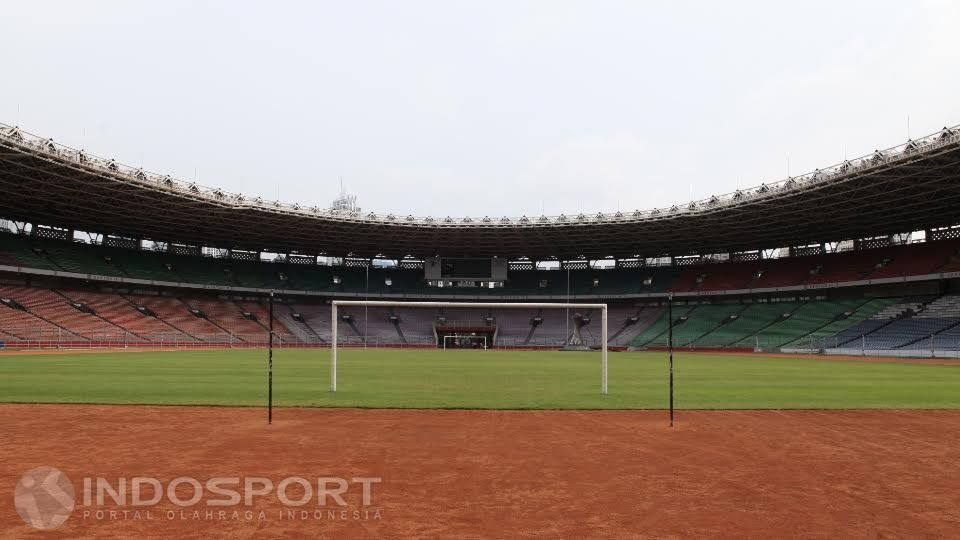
(514, 326)
(784, 273)
(47, 254)
(747, 323)
(293, 321)
(314, 320)
(919, 259)
(717, 276)
(179, 316)
(916, 323)
(696, 323)
(840, 267)
(376, 326)
(934, 322)
(902, 332)
(125, 316)
(743, 273)
(19, 324)
(417, 325)
(81, 258)
(888, 315)
(805, 320)
(945, 306)
(952, 264)
(52, 307)
(943, 318)
(228, 317)
(555, 328)
(659, 327)
(626, 323)
(841, 321)
(899, 261)
(947, 339)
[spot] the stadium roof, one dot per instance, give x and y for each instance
(913, 186)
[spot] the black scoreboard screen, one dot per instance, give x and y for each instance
(466, 268)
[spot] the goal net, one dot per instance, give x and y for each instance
(444, 340)
(464, 341)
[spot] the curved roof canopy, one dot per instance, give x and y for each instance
(910, 187)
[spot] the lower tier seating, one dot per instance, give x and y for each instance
(89, 316)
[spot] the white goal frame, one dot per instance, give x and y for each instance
(455, 336)
(334, 304)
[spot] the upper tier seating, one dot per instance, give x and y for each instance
(899, 261)
(887, 262)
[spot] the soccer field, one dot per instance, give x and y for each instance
(388, 378)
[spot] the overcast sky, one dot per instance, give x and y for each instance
(481, 108)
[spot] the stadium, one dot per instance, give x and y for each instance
(97, 256)
(149, 261)
(479, 270)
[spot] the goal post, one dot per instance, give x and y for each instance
(334, 322)
(460, 336)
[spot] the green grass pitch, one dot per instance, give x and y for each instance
(474, 379)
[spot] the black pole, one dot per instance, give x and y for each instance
(670, 348)
(270, 366)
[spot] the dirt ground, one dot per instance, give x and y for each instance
(476, 474)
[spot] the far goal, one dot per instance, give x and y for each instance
(465, 341)
(452, 305)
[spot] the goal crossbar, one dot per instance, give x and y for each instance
(498, 305)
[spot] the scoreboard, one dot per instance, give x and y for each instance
(466, 269)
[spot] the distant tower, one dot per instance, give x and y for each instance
(345, 203)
